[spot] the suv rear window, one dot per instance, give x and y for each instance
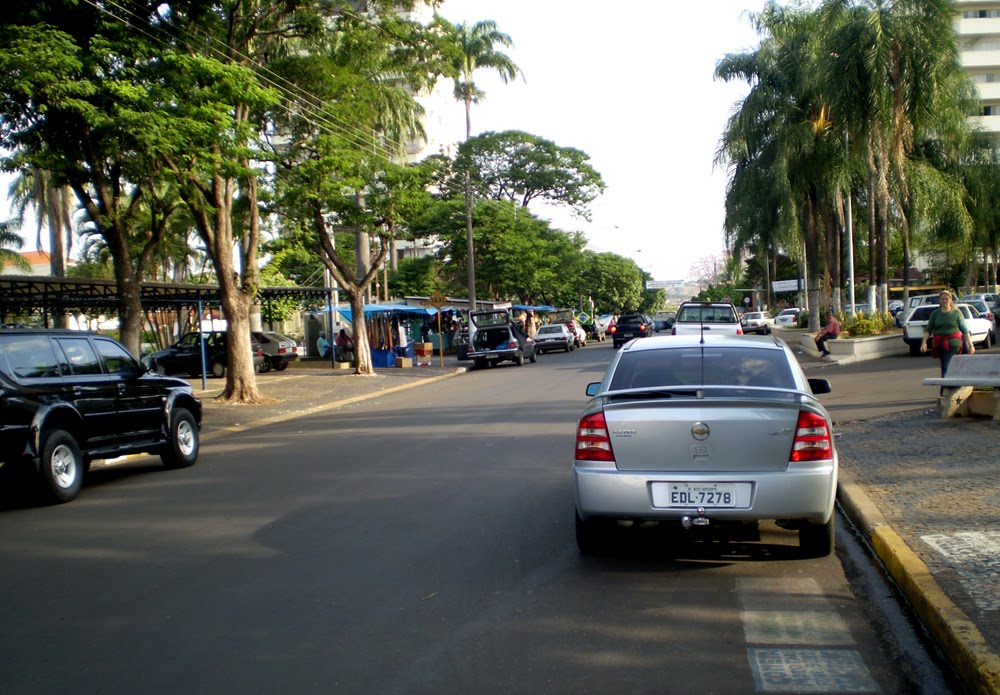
(709, 366)
(698, 313)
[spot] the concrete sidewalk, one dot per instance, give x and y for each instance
(925, 492)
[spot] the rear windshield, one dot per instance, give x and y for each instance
(708, 366)
(558, 330)
(707, 314)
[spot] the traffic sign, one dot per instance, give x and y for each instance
(438, 300)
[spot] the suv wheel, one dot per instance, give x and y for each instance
(62, 466)
(181, 449)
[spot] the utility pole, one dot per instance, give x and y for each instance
(471, 254)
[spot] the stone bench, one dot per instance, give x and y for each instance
(964, 374)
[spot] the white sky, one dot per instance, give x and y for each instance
(635, 91)
(630, 84)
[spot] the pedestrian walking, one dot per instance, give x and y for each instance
(946, 332)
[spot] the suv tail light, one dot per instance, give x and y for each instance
(812, 439)
(512, 345)
(613, 329)
(592, 440)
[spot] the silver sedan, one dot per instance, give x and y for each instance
(706, 432)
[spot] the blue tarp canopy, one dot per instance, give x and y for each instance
(388, 308)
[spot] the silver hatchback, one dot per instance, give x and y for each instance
(700, 432)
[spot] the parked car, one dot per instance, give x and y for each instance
(788, 318)
(184, 356)
(914, 327)
(630, 326)
(984, 311)
(990, 298)
(694, 318)
(703, 432)
(69, 397)
(554, 336)
(497, 339)
(279, 350)
(663, 320)
(568, 318)
(759, 322)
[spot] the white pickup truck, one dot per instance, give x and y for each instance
(712, 318)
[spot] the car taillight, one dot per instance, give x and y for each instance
(613, 329)
(642, 326)
(592, 440)
(512, 345)
(812, 439)
(739, 330)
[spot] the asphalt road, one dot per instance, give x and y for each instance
(420, 542)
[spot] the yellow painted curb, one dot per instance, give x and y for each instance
(326, 406)
(965, 647)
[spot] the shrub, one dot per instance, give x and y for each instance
(866, 324)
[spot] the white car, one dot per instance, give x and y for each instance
(913, 328)
(787, 318)
(990, 299)
(758, 322)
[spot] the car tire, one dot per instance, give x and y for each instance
(181, 448)
(62, 467)
(533, 358)
(914, 350)
(816, 540)
(593, 537)
(985, 345)
(218, 370)
(265, 366)
(281, 366)
(479, 364)
(519, 360)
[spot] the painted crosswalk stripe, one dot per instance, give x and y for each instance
(813, 628)
(810, 671)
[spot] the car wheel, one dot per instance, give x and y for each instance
(533, 358)
(593, 537)
(479, 364)
(519, 360)
(281, 366)
(62, 467)
(181, 449)
(816, 540)
(265, 366)
(914, 350)
(218, 370)
(985, 345)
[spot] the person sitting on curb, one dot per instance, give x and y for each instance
(322, 345)
(345, 347)
(830, 332)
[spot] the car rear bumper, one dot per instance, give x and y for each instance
(806, 493)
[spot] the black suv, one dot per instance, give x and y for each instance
(69, 397)
(631, 326)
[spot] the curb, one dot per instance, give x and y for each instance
(232, 429)
(963, 644)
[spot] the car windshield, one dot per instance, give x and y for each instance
(707, 314)
(703, 366)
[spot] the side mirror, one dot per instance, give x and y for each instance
(819, 386)
(594, 388)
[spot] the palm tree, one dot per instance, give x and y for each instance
(474, 48)
(9, 240)
(53, 204)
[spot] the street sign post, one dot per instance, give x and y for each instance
(437, 301)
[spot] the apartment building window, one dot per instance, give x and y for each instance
(981, 14)
(986, 77)
(980, 45)
(991, 110)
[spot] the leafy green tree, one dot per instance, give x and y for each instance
(520, 167)
(615, 283)
(416, 277)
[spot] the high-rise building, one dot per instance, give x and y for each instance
(978, 28)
